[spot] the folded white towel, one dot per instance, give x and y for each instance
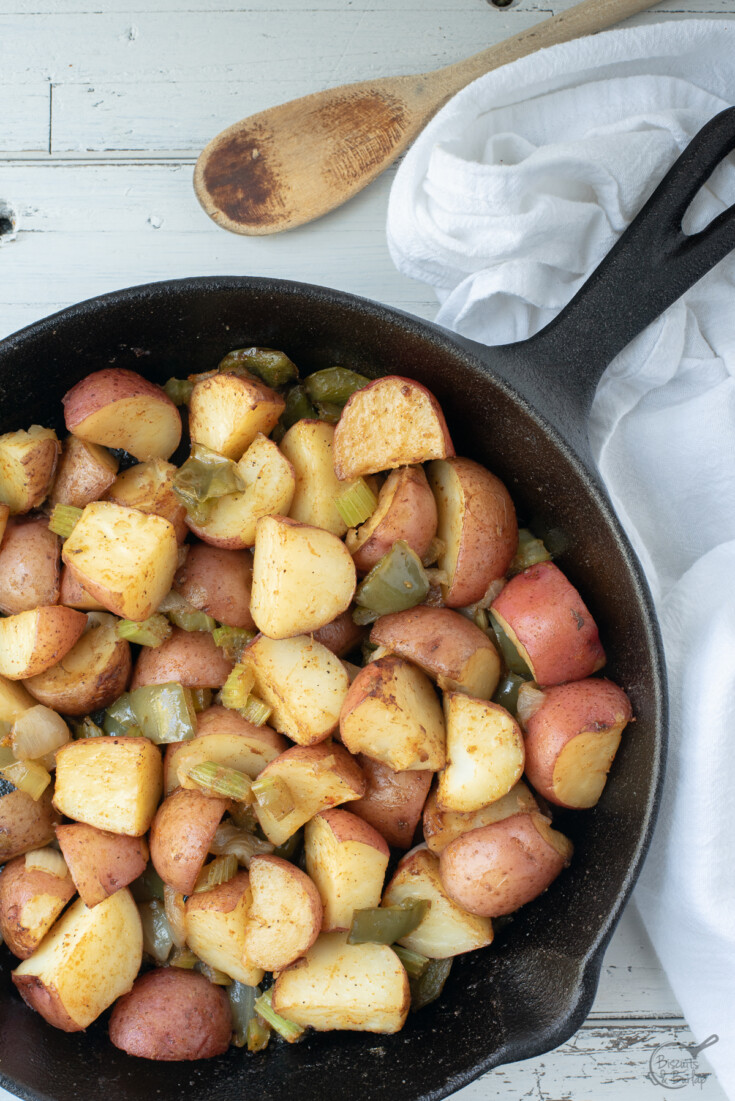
(507, 201)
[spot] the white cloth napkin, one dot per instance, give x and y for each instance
(509, 198)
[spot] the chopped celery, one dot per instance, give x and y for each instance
(27, 776)
(395, 583)
(512, 658)
(298, 407)
(148, 886)
(182, 614)
(87, 729)
(387, 924)
(64, 519)
(218, 871)
(232, 640)
(334, 385)
(179, 390)
(272, 366)
(201, 698)
(287, 1029)
(414, 963)
(429, 986)
(356, 503)
(242, 1006)
(214, 779)
(165, 712)
(236, 689)
(256, 711)
(157, 941)
(148, 632)
(258, 1034)
(274, 795)
(183, 958)
(506, 694)
(530, 551)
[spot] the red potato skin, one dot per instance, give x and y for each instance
(25, 823)
(19, 886)
(72, 593)
(217, 582)
(110, 385)
(438, 640)
(351, 827)
(341, 635)
(411, 516)
(552, 623)
(222, 720)
(393, 801)
(181, 834)
(45, 1000)
(30, 565)
(223, 898)
(192, 658)
(172, 1015)
(100, 862)
(495, 869)
(569, 709)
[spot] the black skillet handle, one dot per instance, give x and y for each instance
(652, 264)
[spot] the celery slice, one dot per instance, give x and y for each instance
(236, 689)
(233, 641)
(201, 698)
(182, 614)
(274, 795)
(287, 1029)
(356, 503)
(148, 632)
(87, 729)
(258, 1034)
(256, 711)
(64, 519)
(217, 779)
(183, 958)
(220, 870)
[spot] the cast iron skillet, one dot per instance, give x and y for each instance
(520, 409)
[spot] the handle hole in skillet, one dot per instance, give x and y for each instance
(716, 195)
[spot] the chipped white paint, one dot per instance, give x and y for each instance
(104, 105)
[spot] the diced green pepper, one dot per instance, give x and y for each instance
(205, 476)
(387, 924)
(512, 658)
(165, 712)
(298, 407)
(119, 716)
(395, 583)
(530, 551)
(182, 614)
(289, 849)
(148, 886)
(414, 963)
(179, 390)
(506, 694)
(328, 412)
(335, 385)
(427, 989)
(272, 366)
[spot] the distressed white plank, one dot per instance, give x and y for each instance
(459, 7)
(25, 117)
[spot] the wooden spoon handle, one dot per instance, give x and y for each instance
(588, 17)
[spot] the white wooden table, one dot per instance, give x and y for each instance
(104, 105)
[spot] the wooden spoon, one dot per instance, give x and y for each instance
(290, 164)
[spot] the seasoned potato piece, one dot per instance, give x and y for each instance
(149, 488)
(14, 700)
(123, 557)
(27, 466)
(229, 740)
(303, 682)
(111, 783)
(392, 713)
(303, 577)
(317, 777)
(218, 582)
(100, 862)
(4, 515)
(391, 422)
(406, 510)
(29, 566)
(442, 826)
(341, 635)
(31, 899)
(269, 487)
(89, 959)
(216, 928)
(181, 834)
(73, 595)
(485, 753)
(358, 987)
(285, 916)
(393, 801)
(446, 930)
(31, 642)
(119, 408)
(191, 658)
(308, 447)
(172, 1015)
(25, 823)
(85, 472)
(226, 412)
(347, 860)
(91, 675)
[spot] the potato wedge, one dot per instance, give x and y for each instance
(341, 635)
(119, 408)
(447, 929)
(14, 700)
(304, 683)
(218, 582)
(91, 675)
(443, 826)
(406, 510)
(226, 412)
(392, 422)
(485, 753)
(317, 777)
(457, 654)
(29, 566)
(100, 862)
(269, 488)
(347, 860)
(303, 578)
(73, 595)
(192, 658)
(286, 914)
(227, 739)
(31, 642)
(89, 959)
(111, 783)
(392, 713)
(85, 472)
(478, 526)
(308, 447)
(172, 1015)
(27, 467)
(4, 517)
(149, 488)
(357, 987)
(25, 823)
(30, 902)
(216, 928)
(393, 801)
(181, 834)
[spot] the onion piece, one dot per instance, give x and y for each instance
(47, 860)
(37, 732)
(530, 698)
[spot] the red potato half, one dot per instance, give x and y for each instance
(443, 826)
(111, 783)
(181, 834)
(31, 899)
(446, 645)
(478, 526)
(393, 801)
(572, 739)
(228, 740)
(90, 676)
(4, 516)
(226, 412)
(149, 488)
(73, 595)
(100, 862)
(191, 658)
(347, 860)
(29, 566)
(119, 408)
(172, 1015)
(406, 510)
(216, 922)
(308, 447)
(341, 635)
(31, 642)
(25, 823)
(493, 870)
(285, 916)
(218, 582)
(391, 422)
(85, 472)
(27, 466)
(485, 753)
(545, 618)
